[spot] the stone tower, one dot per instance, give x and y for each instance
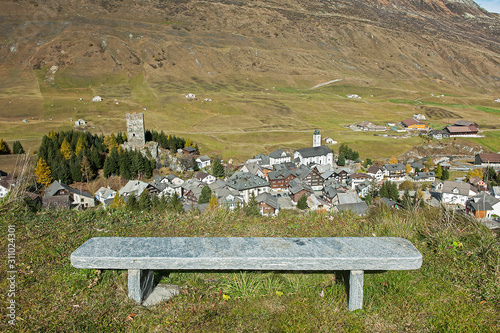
(135, 129)
(316, 138)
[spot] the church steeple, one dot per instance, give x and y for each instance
(316, 138)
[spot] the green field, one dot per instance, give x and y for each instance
(247, 114)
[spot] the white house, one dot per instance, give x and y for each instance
(356, 179)
(4, 188)
(248, 184)
(205, 177)
(203, 161)
(136, 187)
(376, 173)
(279, 156)
(457, 193)
(97, 99)
(105, 195)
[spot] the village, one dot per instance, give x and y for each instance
(312, 178)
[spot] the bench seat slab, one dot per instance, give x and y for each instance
(254, 253)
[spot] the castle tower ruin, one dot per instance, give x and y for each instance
(135, 129)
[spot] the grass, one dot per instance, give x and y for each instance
(247, 113)
(457, 288)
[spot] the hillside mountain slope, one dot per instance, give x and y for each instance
(453, 41)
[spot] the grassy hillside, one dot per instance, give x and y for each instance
(456, 290)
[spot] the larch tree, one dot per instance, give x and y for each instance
(43, 173)
(65, 150)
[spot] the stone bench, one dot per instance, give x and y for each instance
(141, 255)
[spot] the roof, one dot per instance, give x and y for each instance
(412, 121)
(460, 129)
(489, 158)
(278, 153)
(483, 201)
(201, 175)
(268, 199)
(245, 180)
(134, 186)
(296, 186)
(373, 169)
(203, 158)
(358, 208)
(462, 122)
(462, 188)
(273, 175)
(331, 191)
(189, 149)
(425, 175)
(359, 176)
(56, 187)
(395, 167)
(104, 192)
(347, 198)
(314, 151)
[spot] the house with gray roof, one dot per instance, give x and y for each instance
(136, 187)
(358, 208)
(203, 161)
(279, 156)
(105, 195)
(457, 193)
(247, 184)
(64, 196)
(395, 172)
(299, 188)
(268, 205)
(483, 205)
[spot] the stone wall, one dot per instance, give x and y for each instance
(135, 129)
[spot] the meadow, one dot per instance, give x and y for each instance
(247, 114)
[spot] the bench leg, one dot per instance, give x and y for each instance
(140, 284)
(355, 293)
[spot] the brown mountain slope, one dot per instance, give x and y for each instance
(453, 41)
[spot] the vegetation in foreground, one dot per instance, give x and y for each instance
(456, 290)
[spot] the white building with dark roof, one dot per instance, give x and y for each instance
(247, 183)
(321, 155)
(279, 156)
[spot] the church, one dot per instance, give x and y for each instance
(317, 154)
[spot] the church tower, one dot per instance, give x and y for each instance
(316, 138)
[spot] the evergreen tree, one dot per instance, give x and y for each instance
(175, 204)
(439, 171)
(95, 158)
(389, 190)
(66, 150)
(156, 203)
(75, 168)
(43, 173)
(252, 207)
(62, 172)
(446, 174)
(341, 160)
(132, 203)
(302, 202)
(407, 201)
(17, 148)
(205, 195)
(4, 147)
(111, 164)
(144, 200)
(217, 168)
